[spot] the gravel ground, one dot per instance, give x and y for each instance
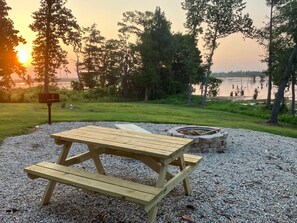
(254, 180)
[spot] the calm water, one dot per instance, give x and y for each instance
(62, 84)
(230, 86)
(234, 85)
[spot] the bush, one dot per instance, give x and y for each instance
(71, 95)
(100, 93)
(4, 96)
(19, 95)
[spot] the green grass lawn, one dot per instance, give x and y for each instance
(20, 118)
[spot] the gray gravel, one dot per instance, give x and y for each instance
(254, 180)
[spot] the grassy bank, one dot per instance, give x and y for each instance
(20, 118)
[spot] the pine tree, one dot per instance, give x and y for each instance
(9, 40)
(54, 24)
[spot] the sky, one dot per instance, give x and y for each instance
(234, 53)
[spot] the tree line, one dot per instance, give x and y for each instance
(159, 63)
(239, 74)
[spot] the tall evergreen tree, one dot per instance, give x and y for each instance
(9, 40)
(167, 62)
(93, 44)
(156, 50)
(54, 23)
(186, 64)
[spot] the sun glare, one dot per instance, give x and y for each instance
(23, 54)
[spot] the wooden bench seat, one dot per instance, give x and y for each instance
(144, 195)
(191, 160)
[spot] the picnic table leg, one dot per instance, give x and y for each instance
(96, 159)
(160, 183)
(51, 184)
(152, 215)
(186, 183)
(154, 165)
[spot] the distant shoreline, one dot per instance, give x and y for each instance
(238, 74)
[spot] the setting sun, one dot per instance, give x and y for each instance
(23, 54)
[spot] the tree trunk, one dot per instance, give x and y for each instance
(146, 94)
(209, 63)
(268, 101)
(281, 90)
(47, 47)
(80, 83)
(293, 92)
(190, 90)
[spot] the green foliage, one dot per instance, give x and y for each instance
(110, 64)
(155, 47)
(256, 110)
(4, 96)
(252, 109)
(218, 19)
(53, 23)
(186, 64)
(9, 40)
(20, 95)
(288, 118)
(92, 55)
(285, 54)
(169, 64)
(214, 85)
(288, 19)
(178, 99)
(76, 85)
(71, 95)
(100, 93)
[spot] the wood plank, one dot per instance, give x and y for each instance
(77, 159)
(163, 138)
(157, 137)
(116, 187)
(163, 156)
(120, 146)
(189, 160)
(52, 184)
(96, 176)
(132, 127)
(154, 165)
(96, 160)
(186, 183)
(129, 140)
(144, 146)
(170, 185)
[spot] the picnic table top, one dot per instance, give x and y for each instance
(153, 145)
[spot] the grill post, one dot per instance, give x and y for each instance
(49, 98)
(49, 107)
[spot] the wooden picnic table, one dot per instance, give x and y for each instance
(155, 151)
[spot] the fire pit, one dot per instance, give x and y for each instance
(206, 138)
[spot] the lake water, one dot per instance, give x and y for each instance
(234, 85)
(61, 84)
(230, 86)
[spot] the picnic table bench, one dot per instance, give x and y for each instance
(156, 151)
